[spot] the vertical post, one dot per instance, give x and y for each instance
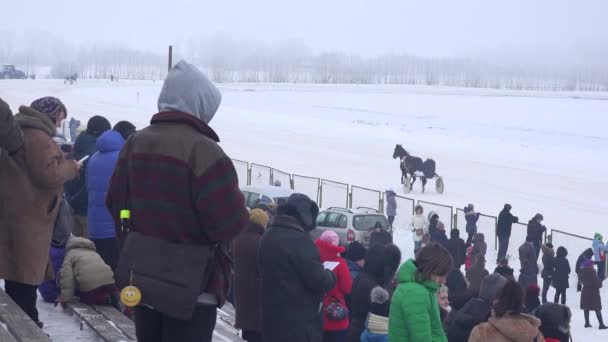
(170, 57)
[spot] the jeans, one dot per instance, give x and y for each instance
(25, 296)
(153, 326)
(369, 337)
(546, 285)
(503, 247)
(559, 292)
(417, 246)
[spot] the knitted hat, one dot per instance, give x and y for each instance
(97, 125)
(539, 217)
(331, 237)
(356, 251)
(50, 106)
(533, 290)
(598, 236)
(125, 128)
(259, 217)
(379, 302)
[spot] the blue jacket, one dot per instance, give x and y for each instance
(599, 249)
(471, 217)
(99, 171)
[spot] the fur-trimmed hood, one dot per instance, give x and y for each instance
(379, 295)
(30, 118)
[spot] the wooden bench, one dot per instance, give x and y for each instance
(16, 325)
(112, 326)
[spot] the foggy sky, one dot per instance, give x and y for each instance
(508, 31)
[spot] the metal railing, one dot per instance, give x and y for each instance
(330, 193)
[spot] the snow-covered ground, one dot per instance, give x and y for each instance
(540, 152)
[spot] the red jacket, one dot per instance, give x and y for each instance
(343, 286)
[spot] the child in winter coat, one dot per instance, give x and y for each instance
(532, 298)
(590, 295)
(376, 325)
(420, 227)
(561, 274)
(468, 261)
(334, 325)
(548, 267)
(83, 266)
(586, 255)
(599, 252)
(479, 245)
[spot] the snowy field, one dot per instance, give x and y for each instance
(540, 152)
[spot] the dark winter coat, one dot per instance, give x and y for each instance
(548, 262)
(439, 236)
(529, 269)
(360, 304)
(246, 278)
(586, 255)
(391, 203)
(479, 245)
(380, 238)
(182, 189)
(590, 295)
(505, 223)
(457, 248)
(555, 321)
(354, 269)
(458, 293)
(99, 171)
(532, 298)
(49, 289)
(471, 217)
(536, 230)
(76, 189)
(344, 283)
(475, 275)
(562, 270)
(293, 283)
(505, 271)
(32, 173)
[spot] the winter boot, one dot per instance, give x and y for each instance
(601, 320)
(586, 313)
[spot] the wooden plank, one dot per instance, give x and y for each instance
(18, 323)
(122, 322)
(107, 331)
(5, 336)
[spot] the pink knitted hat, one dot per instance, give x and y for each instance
(331, 237)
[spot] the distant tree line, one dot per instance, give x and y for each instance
(228, 60)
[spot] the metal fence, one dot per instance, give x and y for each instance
(329, 193)
(280, 177)
(445, 212)
(363, 197)
(259, 175)
(308, 186)
(242, 171)
(333, 194)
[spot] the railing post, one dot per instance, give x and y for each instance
(349, 197)
(381, 204)
(320, 193)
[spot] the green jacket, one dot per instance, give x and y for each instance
(414, 312)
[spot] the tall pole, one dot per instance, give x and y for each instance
(170, 57)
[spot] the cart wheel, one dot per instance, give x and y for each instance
(439, 186)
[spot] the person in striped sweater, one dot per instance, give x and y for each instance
(182, 192)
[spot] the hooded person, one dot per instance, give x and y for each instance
(471, 217)
(457, 285)
(504, 269)
(503, 230)
(508, 322)
(184, 200)
(479, 245)
(32, 173)
(125, 128)
(586, 255)
(475, 311)
(293, 279)
(381, 264)
(548, 260)
(76, 190)
(419, 226)
(532, 300)
(554, 322)
(246, 281)
(561, 275)
(535, 231)
(380, 235)
(391, 205)
(528, 273)
(100, 225)
(457, 248)
(376, 324)
(476, 274)
(591, 299)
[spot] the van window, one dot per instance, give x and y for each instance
(332, 220)
(367, 222)
(342, 221)
(321, 219)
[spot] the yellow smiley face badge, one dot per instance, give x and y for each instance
(130, 296)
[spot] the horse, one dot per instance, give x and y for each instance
(71, 79)
(411, 164)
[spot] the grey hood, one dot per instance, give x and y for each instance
(188, 90)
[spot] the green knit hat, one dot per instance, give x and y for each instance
(598, 236)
